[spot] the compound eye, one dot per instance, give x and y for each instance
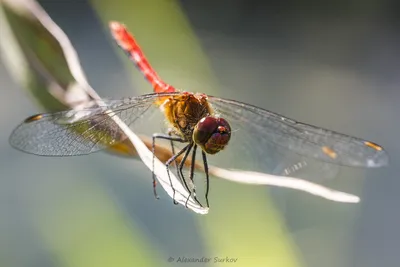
(212, 134)
(204, 129)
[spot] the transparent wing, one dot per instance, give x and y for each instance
(261, 140)
(79, 132)
(272, 143)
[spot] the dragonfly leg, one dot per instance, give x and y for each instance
(191, 175)
(173, 151)
(181, 164)
(167, 137)
(207, 176)
(172, 159)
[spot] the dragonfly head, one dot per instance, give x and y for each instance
(212, 134)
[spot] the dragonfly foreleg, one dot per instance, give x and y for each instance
(173, 151)
(172, 159)
(207, 175)
(167, 137)
(190, 190)
(191, 176)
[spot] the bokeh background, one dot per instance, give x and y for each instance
(327, 63)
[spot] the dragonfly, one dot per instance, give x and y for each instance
(237, 132)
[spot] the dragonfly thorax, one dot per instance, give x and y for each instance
(184, 111)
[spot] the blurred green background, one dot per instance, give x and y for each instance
(330, 64)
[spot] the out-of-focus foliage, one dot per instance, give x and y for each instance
(333, 65)
(86, 231)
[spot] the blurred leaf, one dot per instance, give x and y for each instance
(42, 60)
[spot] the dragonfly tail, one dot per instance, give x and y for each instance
(128, 43)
